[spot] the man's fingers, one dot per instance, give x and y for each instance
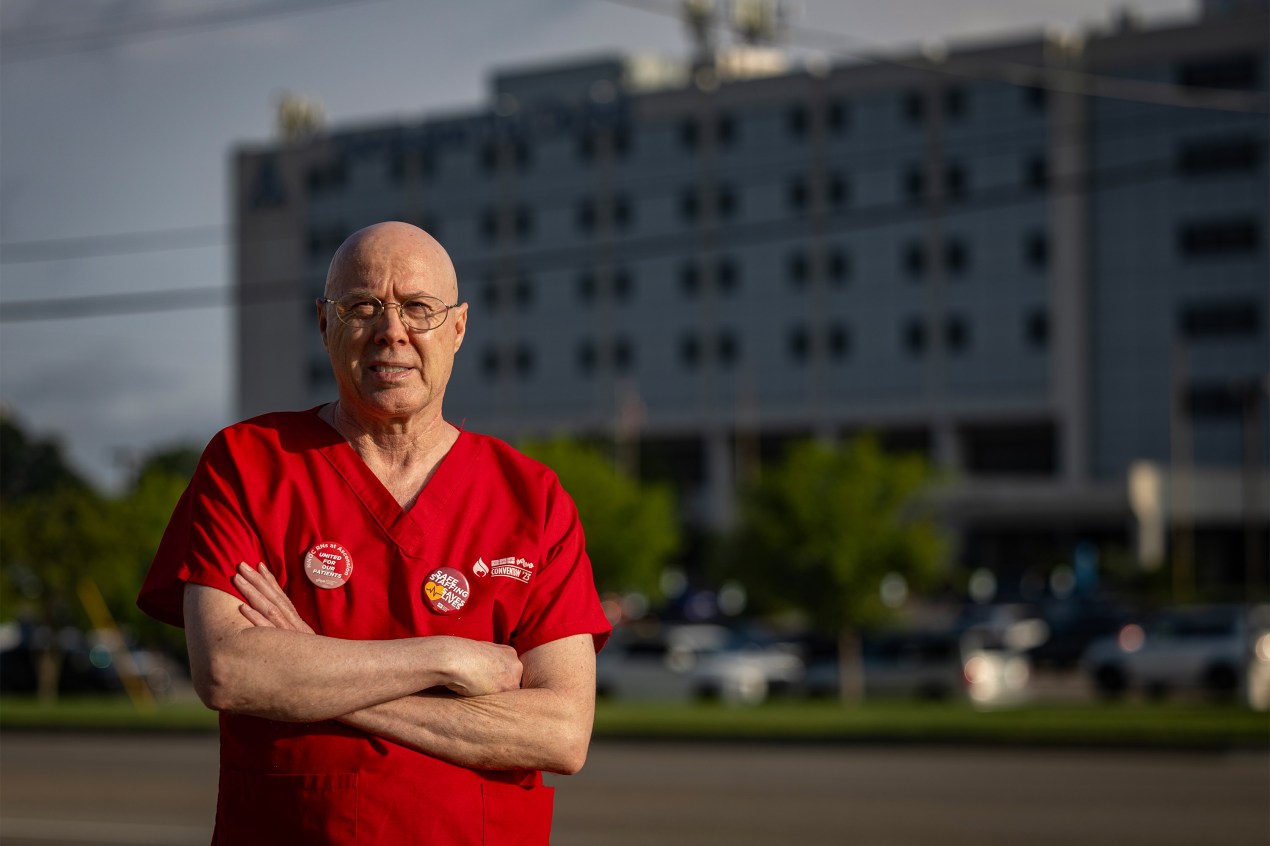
(267, 599)
(257, 619)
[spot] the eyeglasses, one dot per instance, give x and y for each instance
(419, 314)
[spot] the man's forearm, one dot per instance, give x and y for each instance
(534, 729)
(285, 672)
(297, 677)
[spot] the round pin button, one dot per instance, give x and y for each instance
(328, 565)
(446, 590)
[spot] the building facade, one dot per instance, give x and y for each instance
(1043, 263)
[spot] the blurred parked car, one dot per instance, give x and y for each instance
(1073, 624)
(86, 662)
(975, 663)
(1223, 651)
(694, 661)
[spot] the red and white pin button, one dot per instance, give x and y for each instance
(328, 565)
(446, 590)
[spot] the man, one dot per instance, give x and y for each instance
(418, 638)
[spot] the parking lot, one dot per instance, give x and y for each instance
(94, 790)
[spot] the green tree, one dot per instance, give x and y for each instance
(56, 530)
(822, 532)
(631, 529)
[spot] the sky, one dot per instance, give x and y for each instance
(119, 117)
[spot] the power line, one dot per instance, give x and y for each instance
(37, 45)
(625, 250)
(123, 243)
(215, 235)
(1065, 80)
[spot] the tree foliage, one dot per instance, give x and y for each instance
(820, 531)
(631, 529)
(56, 530)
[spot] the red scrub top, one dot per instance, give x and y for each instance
(286, 488)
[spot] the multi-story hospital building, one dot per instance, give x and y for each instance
(1042, 261)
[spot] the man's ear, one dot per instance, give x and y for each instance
(321, 316)
(459, 316)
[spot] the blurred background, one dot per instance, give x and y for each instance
(903, 350)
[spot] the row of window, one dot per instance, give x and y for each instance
(727, 273)
(803, 343)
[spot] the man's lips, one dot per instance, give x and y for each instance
(382, 367)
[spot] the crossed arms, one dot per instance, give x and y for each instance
(468, 702)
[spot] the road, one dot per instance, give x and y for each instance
(95, 790)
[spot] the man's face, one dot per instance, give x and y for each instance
(385, 370)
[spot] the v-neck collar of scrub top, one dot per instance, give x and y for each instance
(454, 473)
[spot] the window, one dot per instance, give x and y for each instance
(1036, 250)
(839, 266)
(914, 106)
(324, 241)
(1236, 72)
(266, 190)
(586, 287)
(689, 204)
(796, 269)
(1036, 173)
(1020, 449)
(956, 257)
(954, 102)
(517, 152)
(688, 134)
(524, 292)
(622, 214)
(799, 344)
(839, 191)
(690, 351)
(586, 357)
(1222, 237)
(1036, 328)
(838, 341)
(797, 121)
(1219, 400)
(1232, 318)
(726, 130)
(797, 194)
(729, 276)
(729, 348)
(590, 143)
(1222, 155)
(524, 360)
(407, 163)
(501, 361)
(728, 202)
(1036, 99)
(522, 223)
(915, 185)
(956, 333)
(690, 280)
(915, 260)
(489, 295)
(587, 215)
(623, 355)
(489, 224)
(322, 178)
(838, 117)
(914, 336)
(623, 286)
(955, 182)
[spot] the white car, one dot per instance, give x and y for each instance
(1220, 650)
(693, 661)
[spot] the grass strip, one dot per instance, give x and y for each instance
(1130, 724)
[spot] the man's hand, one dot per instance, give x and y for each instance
(476, 668)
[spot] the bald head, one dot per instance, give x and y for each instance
(392, 248)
